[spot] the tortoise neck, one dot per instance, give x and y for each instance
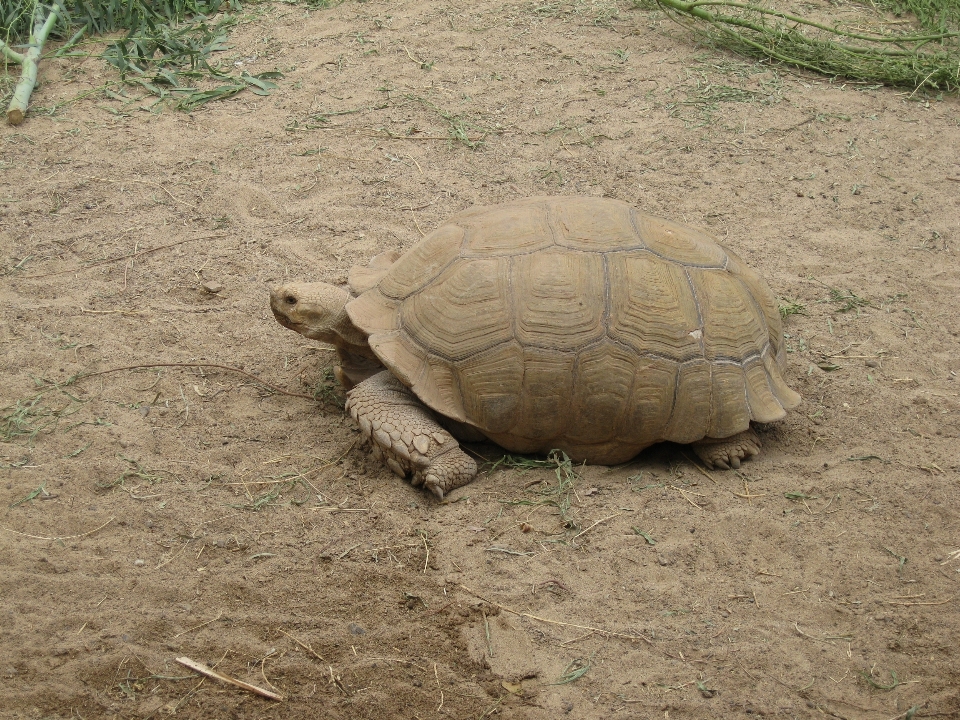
(349, 338)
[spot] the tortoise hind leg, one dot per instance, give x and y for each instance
(407, 437)
(727, 452)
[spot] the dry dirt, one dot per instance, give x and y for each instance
(167, 512)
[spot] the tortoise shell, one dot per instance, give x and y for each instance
(581, 324)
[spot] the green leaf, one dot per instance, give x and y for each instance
(196, 99)
(878, 686)
(258, 84)
(31, 496)
(645, 535)
(574, 671)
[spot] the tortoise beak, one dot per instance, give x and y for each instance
(280, 301)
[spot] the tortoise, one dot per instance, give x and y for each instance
(570, 323)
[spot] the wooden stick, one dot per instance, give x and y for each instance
(557, 622)
(271, 386)
(195, 627)
(211, 673)
(602, 520)
(122, 257)
(58, 537)
(942, 602)
(302, 644)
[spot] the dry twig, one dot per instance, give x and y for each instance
(211, 673)
(131, 256)
(302, 644)
(600, 631)
(59, 537)
(271, 386)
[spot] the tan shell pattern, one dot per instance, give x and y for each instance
(580, 323)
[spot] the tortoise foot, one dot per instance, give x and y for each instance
(726, 453)
(406, 437)
(448, 471)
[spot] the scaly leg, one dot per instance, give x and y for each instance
(727, 452)
(407, 437)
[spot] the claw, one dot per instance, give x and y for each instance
(430, 483)
(735, 462)
(720, 464)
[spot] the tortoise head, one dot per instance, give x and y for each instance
(315, 310)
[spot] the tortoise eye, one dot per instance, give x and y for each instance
(290, 300)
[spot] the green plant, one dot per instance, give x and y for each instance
(927, 58)
(168, 41)
(29, 416)
(791, 307)
(558, 495)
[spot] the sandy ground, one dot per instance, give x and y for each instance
(163, 512)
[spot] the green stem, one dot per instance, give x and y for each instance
(693, 9)
(691, 6)
(10, 53)
(775, 55)
(759, 29)
(784, 40)
(72, 41)
(28, 77)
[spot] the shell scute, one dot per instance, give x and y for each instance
(374, 312)
(691, 414)
(509, 229)
(422, 263)
(729, 412)
(490, 385)
(652, 307)
(679, 243)
(651, 401)
(764, 298)
(558, 299)
(465, 312)
(604, 377)
(403, 356)
(733, 326)
(764, 405)
(579, 227)
(545, 394)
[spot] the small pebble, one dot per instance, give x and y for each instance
(211, 286)
(872, 363)
(138, 562)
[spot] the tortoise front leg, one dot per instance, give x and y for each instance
(354, 368)
(407, 437)
(727, 452)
